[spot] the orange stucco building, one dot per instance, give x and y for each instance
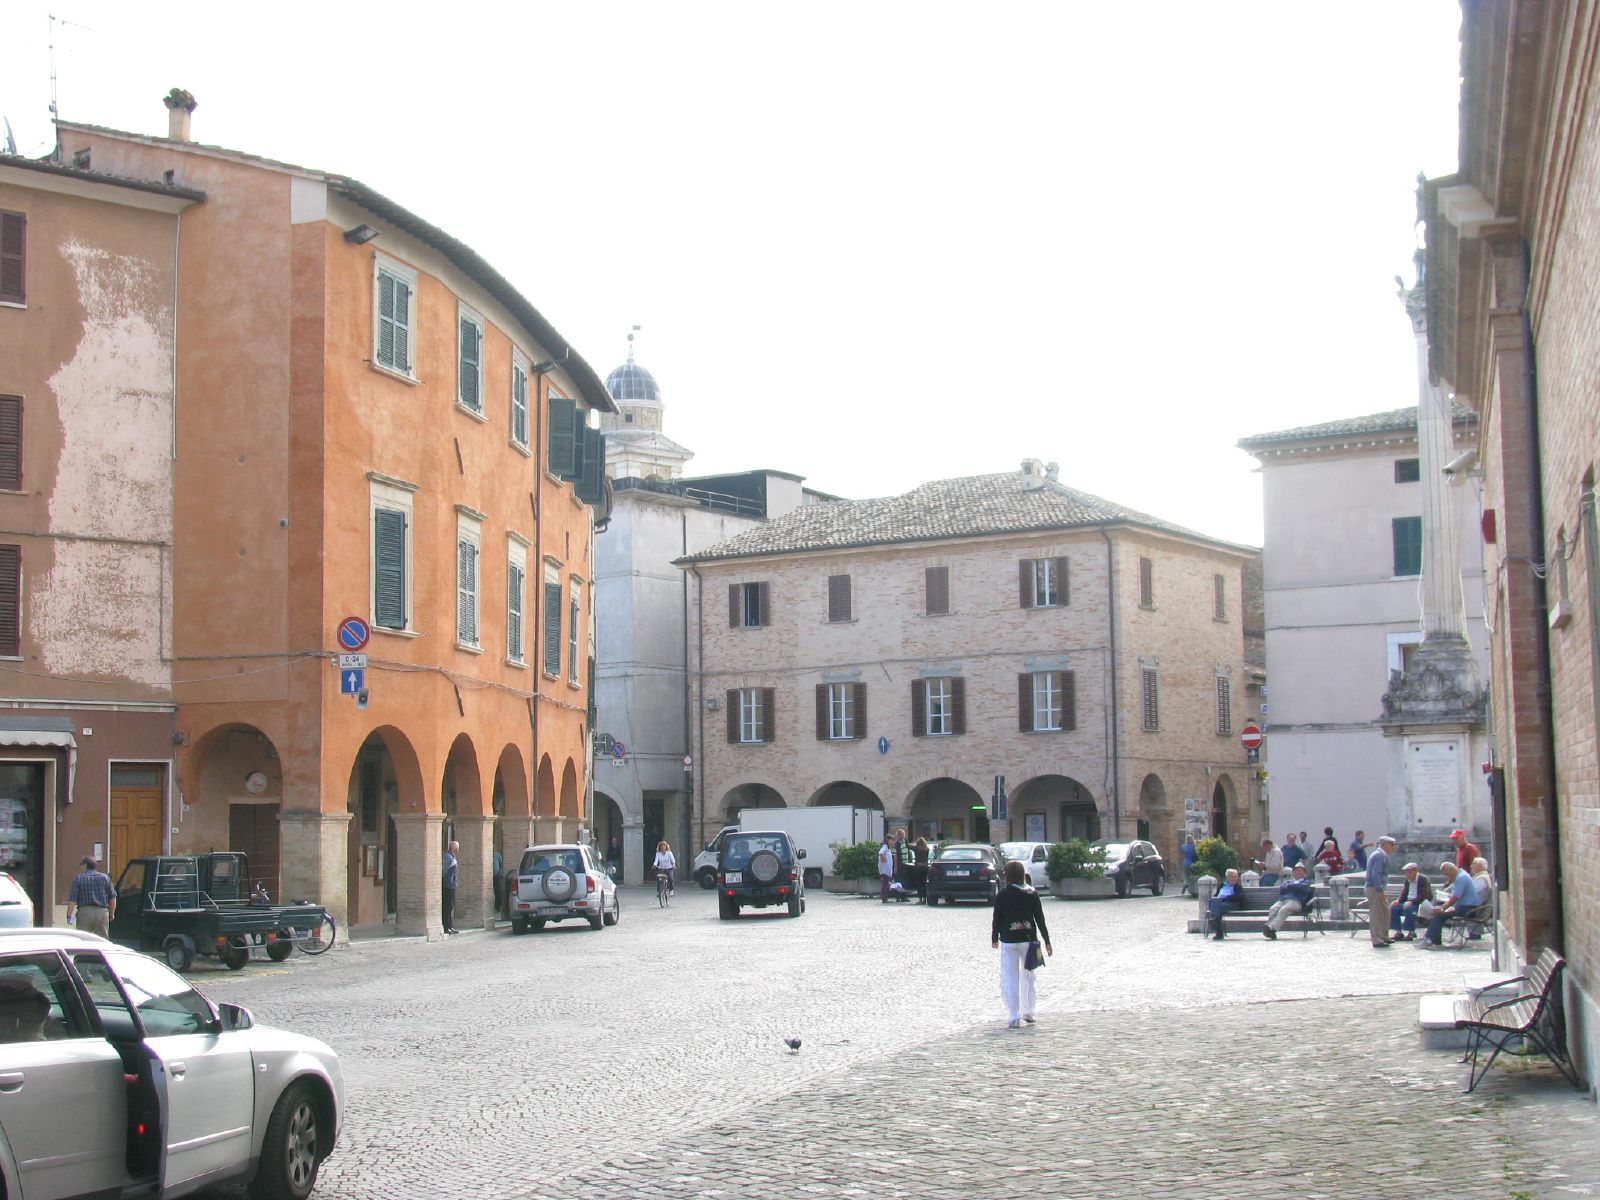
(370, 422)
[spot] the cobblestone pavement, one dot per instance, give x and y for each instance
(647, 1060)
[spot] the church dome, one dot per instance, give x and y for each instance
(632, 384)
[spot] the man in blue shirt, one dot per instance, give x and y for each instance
(1377, 890)
(1358, 849)
(92, 902)
(452, 873)
(1293, 852)
(1294, 896)
(1230, 896)
(1462, 897)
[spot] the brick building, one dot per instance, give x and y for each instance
(903, 652)
(1513, 252)
(362, 417)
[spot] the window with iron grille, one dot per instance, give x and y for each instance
(1224, 707)
(1147, 583)
(1151, 694)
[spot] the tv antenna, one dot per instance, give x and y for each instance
(55, 110)
(636, 329)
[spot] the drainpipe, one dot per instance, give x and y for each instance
(686, 841)
(1541, 603)
(700, 697)
(1113, 748)
(535, 647)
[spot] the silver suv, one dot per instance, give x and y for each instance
(562, 882)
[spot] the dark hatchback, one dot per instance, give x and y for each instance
(759, 870)
(965, 871)
(1132, 865)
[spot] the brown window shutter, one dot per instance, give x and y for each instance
(1069, 700)
(919, 709)
(1147, 583)
(936, 590)
(858, 721)
(1025, 582)
(1063, 586)
(733, 714)
(958, 702)
(769, 715)
(822, 712)
(11, 442)
(1025, 703)
(11, 601)
(838, 597)
(733, 604)
(13, 258)
(764, 603)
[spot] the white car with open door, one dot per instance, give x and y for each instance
(118, 1079)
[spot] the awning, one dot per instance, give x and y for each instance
(53, 733)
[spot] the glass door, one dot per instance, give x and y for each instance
(22, 830)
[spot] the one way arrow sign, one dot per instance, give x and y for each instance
(351, 682)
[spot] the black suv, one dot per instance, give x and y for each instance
(759, 870)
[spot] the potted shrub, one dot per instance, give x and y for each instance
(855, 869)
(1214, 857)
(1077, 870)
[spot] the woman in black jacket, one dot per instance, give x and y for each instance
(1018, 920)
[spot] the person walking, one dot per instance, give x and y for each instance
(92, 902)
(452, 874)
(1377, 891)
(886, 863)
(1017, 923)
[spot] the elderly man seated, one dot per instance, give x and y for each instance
(1229, 897)
(1403, 916)
(1270, 864)
(1461, 897)
(1294, 896)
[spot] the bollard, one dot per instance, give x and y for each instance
(1205, 887)
(1250, 879)
(1339, 905)
(1319, 874)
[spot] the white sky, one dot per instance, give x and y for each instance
(871, 243)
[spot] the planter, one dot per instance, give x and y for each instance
(1083, 889)
(849, 887)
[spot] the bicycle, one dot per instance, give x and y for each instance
(664, 889)
(317, 939)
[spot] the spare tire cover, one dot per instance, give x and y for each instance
(559, 884)
(765, 866)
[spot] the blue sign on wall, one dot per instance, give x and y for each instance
(352, 681)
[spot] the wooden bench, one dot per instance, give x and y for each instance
(1525, 1007)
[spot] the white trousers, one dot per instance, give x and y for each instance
(1016, 983)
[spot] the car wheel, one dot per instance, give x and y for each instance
(795, 905)
(233, 957)
(536, 924)
(598, 921)
(291, 1151)
(280, 950)
(1158, 884)
(519, 925)
(813, 877)
(615, 914)
(1122, 885)
(706, 877)
(994, 894)
(178, 955)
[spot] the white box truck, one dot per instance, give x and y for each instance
(814, 830)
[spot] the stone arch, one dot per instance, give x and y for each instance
(605, 822)
(937, 805)
(385, 781)
(233, 787)
(1067, 805)
(1224, 797)
(1166, 826)
(460, 784)
(510, 795)
(544, 796)
(750, 795)
(569, 791)
(845, 791)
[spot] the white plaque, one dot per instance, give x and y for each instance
(1434, 772)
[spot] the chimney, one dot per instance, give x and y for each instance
(1052, 472)
(1032, 474)
(180, 106)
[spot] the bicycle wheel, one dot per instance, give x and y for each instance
(318, 940)
(661, 891)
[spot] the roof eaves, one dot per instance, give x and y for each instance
(45, 167)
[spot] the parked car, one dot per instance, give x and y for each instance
(120, 1080)
(965, 871)
(16, 906)
(1034, 856)
(563, 882)
(758, 869)
(1132, 865)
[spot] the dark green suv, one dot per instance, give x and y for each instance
(758, 870)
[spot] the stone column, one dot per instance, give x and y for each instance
(475, 887)
(1442, 613)
(315, 859)
(420, 855)
(635, 854)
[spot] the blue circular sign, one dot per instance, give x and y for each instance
(353, 634)
(883, 745)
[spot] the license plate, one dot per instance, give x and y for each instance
(960, 871)
(734, 876)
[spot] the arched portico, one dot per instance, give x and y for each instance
(386, 801)
(1223, 797)
(1055, 807)
(606, 822)
(944, 810)
(750, 795)
(845, 791)
(509, 802)
(234, 793)
(1166, 825)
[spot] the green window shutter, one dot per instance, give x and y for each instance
(1408, 545)
(469, 373)
(10, 600)
(519, 405)
(563, 438)
(591, 485)
(386, 284)
(402, 326)
(514, 645)
(13, 258)
(11, 442)
(552, 628)
(389, 568)
(466, 593)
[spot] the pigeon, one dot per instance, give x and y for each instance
(793, 1044)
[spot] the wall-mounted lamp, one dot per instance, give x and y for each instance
(360, 235)
(545, 368)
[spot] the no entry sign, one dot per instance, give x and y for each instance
(1250, 736)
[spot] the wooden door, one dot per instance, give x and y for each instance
(253, 831)
(136, 820)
